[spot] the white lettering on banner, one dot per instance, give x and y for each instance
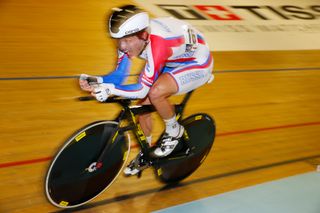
(248, 24)
(218, 12)
(311, 28)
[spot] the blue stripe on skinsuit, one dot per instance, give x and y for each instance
(167, 69)
(129, 87)
(120, 74)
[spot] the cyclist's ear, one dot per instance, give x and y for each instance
(144, 35)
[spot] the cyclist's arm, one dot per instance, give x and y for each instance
(120, 74)
(156, 59)
(138, 90)
(133, 91)
(155, 62)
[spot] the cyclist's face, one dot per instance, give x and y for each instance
(132, 45)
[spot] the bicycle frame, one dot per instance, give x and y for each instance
(129, 113)
(77, 174)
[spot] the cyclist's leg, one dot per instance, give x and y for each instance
(162, 89)
(177, 81)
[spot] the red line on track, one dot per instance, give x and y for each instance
(268, 128)
(39, 160)
(25, 162)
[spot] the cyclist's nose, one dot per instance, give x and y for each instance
(122, 46)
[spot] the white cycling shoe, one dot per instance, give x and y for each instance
(168, 144)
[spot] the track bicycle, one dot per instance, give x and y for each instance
(94, 156)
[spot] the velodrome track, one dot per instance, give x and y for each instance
(265, 103)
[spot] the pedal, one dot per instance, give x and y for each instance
(136, 166)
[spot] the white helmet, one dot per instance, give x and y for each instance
(127, 20)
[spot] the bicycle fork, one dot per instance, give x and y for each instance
(111, 141)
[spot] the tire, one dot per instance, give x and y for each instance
(201, 132)
(70, 181)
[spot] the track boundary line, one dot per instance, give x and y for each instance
(215, 72)
(223, 134)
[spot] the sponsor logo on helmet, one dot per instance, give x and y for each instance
(132, 31)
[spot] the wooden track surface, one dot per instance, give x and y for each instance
(266, 106)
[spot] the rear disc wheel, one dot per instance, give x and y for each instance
(201, 130)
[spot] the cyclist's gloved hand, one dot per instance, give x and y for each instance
(86, 82)
(103, 91)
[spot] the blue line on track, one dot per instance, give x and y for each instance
(215, 72)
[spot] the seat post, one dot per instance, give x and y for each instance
(186, 98)
(180, 107)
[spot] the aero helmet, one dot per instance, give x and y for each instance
(127, 20)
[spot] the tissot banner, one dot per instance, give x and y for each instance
(247, 24)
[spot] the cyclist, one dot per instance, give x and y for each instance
(177, 58)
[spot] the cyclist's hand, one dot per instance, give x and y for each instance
(103, 91)
(86, 82)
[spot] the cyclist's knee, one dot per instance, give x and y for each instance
(161, 91)
(155, 93)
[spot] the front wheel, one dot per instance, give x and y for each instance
(74, 178)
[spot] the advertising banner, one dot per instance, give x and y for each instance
(247, 24)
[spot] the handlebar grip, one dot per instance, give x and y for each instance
(92, 79)
(86, 98)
